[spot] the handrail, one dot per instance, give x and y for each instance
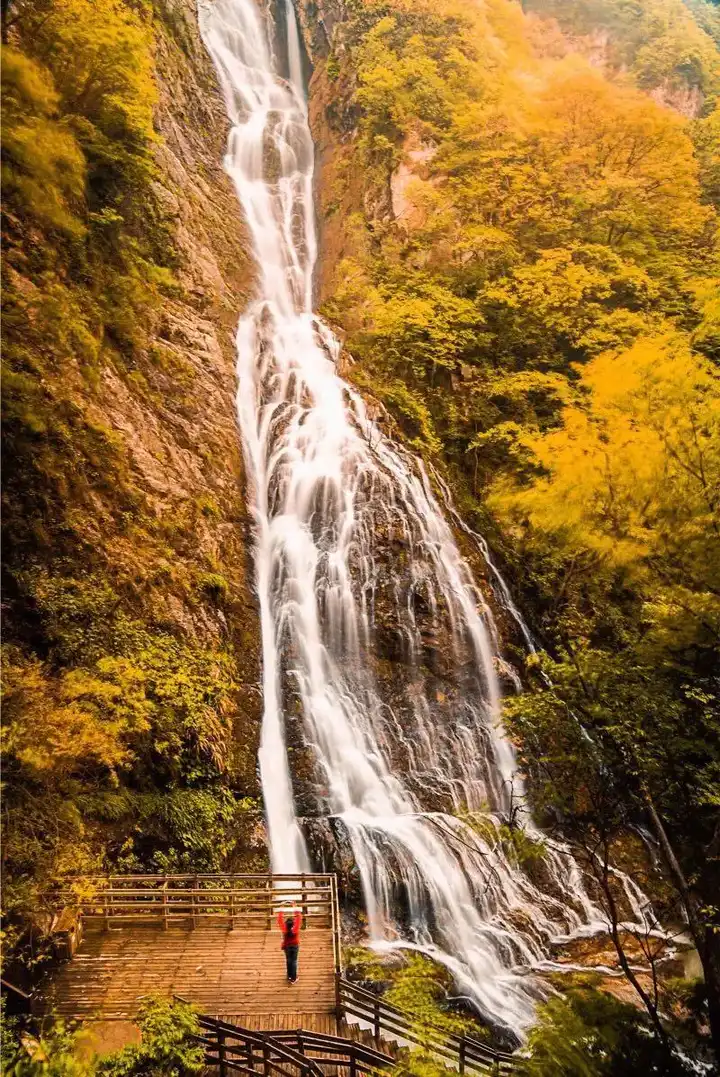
(236, 1049)
(465, 1052)
(219, 1033)
(320, 1041)
(257, 877)
(169, 899)
(275, 1050)
(335, 918)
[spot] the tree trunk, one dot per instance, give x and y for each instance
(603, 877)
(707, 941)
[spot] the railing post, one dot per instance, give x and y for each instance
(335, 923)
(304, 900)
(461, 1054)
(107, 910)
(377, 1021)
(232, 906)
(269, 888)
(165, 903)
(353, 1064)
(266, 1059)
(221, 1053)
(195, 886)
(338, 998)
(251, 1057)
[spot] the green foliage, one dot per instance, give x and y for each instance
(214, 586)
(686, 999)
(519, 847)
(135, 735)
(613, 733)
(418, 1062)
(419, 987)
(363, 964)
(537, 222)
(43, 166)
(168, 1047)
(332, 67)
(9, 1036)
(619, 528)
(590, 1034)
(631, 480)
(55, 1053)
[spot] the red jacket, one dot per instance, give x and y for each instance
(290, 938)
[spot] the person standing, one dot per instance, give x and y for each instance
(290, 924)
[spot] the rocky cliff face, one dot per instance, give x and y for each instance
(182, 435)
(131, 655)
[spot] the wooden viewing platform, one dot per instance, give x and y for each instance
(213, 940)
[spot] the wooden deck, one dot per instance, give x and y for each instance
(213, 941)
(238, 974)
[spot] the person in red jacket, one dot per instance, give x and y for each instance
(290, 924)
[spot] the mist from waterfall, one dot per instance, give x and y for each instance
(351, 546)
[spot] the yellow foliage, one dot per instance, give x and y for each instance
(43, 169)
(629, 160)
(100, 54)
(61, 732)
(633, 475)
(661, 44)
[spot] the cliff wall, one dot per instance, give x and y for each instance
(131, 653)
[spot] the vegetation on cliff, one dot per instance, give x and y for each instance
(122, 622)
(528, 281)
(168, 1047)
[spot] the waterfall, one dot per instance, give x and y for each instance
(381, 661)
(294, 53)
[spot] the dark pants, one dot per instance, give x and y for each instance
(291, 957)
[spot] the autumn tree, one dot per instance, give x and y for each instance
(626, 500)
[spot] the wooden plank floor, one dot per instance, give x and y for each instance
(325, 1023)
(222, 971)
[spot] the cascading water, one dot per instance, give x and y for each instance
(357, 565)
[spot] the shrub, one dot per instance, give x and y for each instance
(168, 1047)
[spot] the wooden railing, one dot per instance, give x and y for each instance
(334, 1051)
(190, 900)
(461, 1052)
(231, 1049)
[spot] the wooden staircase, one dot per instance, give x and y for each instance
(299, 1053)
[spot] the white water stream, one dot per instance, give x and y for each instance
(352, 548)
